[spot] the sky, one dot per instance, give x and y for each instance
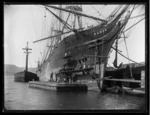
(24, 23)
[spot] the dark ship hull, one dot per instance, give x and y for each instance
(25, 77)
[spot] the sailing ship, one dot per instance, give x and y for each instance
(25, 76)
(73, 51)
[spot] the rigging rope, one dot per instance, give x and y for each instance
(128, 55)
(125, 40)
(36, 33)
(43, 26)
(125, 56)
(126, 43)
(98, 12)
(47, 49)
(34, 26)
(137, 16)
(102, 11)
(34, 23)
(130, 28)
(133, 23)
(114, 12)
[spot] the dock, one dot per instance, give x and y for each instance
(58, 86)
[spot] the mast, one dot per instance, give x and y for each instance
(27, 53)
(78, 18)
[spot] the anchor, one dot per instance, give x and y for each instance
(115, 61)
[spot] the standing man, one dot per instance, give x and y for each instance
(51, 77)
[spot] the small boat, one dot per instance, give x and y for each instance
(25, 76)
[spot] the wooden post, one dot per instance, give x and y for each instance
(143, 79)
(96, 52)
(102, 65)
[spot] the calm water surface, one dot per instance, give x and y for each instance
(18, 96)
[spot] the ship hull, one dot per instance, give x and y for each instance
(78, 45)
(25, 77)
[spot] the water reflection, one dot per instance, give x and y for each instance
(18, 96)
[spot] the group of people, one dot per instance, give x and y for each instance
(81, 64)
(69, 77)
(77, 65)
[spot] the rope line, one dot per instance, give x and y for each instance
(128, 55)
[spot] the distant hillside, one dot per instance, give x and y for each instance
(12, 69)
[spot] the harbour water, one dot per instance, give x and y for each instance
(18, 96)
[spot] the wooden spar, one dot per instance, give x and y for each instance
(63, 27)
(99, 79)
(55, 35)
(60, 31)
(92, 41)
(80, 70)
(121, 80)
(102, 67)
(66, 22)
(51, 36)
(95, 55)
(61, 20)
(124, 80)
(77, 13)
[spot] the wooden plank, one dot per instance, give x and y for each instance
(52, 36)
(124, 80)
(73, 71)
(95, 56)
(99, 79)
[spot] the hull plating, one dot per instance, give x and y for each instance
(78, 46)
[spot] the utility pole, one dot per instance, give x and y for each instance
(27, 52)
